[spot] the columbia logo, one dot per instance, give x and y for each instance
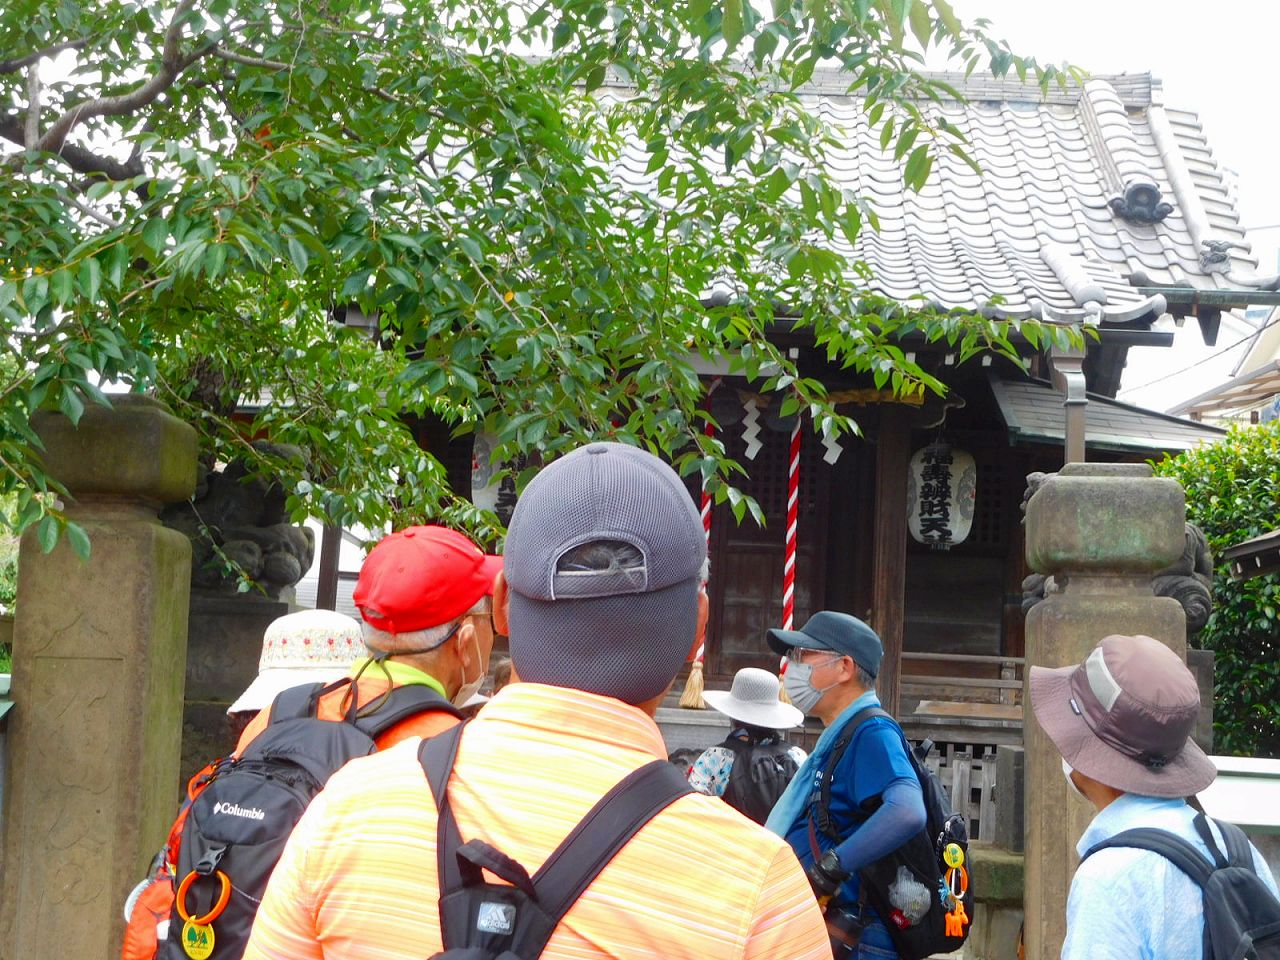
(249, 813)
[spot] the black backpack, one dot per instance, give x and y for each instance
(760, 774)
(490, 921)
(237, 826)
(921, 856)
(1241, 914)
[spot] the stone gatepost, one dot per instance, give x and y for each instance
(1101, 531)
(99, 657)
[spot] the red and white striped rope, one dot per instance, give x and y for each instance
(793, 512)
(710, 431)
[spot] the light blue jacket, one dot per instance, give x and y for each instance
(1133, 904)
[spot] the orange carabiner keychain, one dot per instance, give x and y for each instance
(223, 896)
(958, 884)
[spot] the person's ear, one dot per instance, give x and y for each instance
(464, 641)
(848, 669)
(501, 596)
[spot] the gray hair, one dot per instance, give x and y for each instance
(613, 556)
(421, 641)
(604, 556)
(864, 679)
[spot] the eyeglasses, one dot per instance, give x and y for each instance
(487, 615)
(796, 655)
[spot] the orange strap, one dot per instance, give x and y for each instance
(181, 899)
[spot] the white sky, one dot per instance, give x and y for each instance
(1216, 57)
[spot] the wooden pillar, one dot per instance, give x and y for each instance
(327, 585)
(889, 564)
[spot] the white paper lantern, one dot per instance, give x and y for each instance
(942, 487)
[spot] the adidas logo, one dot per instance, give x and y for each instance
(250, 813)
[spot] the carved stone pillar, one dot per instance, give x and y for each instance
(99, 656)
(1100, 531)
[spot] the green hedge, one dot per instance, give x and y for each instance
(1233, 493)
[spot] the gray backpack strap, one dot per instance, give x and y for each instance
(820, 804)
(608, 826)
(1173, 848)
(1239, 851)
(296, 703)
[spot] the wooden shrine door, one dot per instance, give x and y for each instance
(746, 560)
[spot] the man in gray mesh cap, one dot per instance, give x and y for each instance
(602, 601)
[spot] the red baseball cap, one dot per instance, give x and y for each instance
(422, 577)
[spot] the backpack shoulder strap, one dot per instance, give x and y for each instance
(822, 815)
(1239, 851)
(401, 703)
(436, 754)
(574, 864)
(1173, 848)
(608, 827)
(296, 703)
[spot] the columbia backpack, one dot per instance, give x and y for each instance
(515, 920)
(760, 774)
(1241, 914)
(236, 827)
(921, 891)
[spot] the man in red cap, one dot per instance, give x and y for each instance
(426, 597)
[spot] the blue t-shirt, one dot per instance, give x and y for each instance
(875, 758)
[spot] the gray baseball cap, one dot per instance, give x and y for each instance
(622, 633)
(840, 633)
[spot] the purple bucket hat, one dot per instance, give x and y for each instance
(1124, 717)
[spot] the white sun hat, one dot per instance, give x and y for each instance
(753, 699)
(310, 646)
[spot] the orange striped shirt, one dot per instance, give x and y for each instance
(358, 877)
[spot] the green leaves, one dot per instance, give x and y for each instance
(1230, 495)
(732, 25)
(917, 169)
(412, 229)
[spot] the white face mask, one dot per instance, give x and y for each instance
(470, 688)
(1066, 772)
(798, 682)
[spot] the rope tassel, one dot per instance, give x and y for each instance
(691, 698)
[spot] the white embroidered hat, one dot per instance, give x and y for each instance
(310, 646)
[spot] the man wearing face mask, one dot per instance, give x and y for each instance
(876, 804)
(425, 595)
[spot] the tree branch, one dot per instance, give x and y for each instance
(31, 134)
(223, 54)
(88, 211)
(18, 63)
(77, 158)
(172, 63)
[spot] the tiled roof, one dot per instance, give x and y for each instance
(1032, 410)
(1087, 192)
(1239, 393)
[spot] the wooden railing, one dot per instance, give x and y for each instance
(982, 679)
